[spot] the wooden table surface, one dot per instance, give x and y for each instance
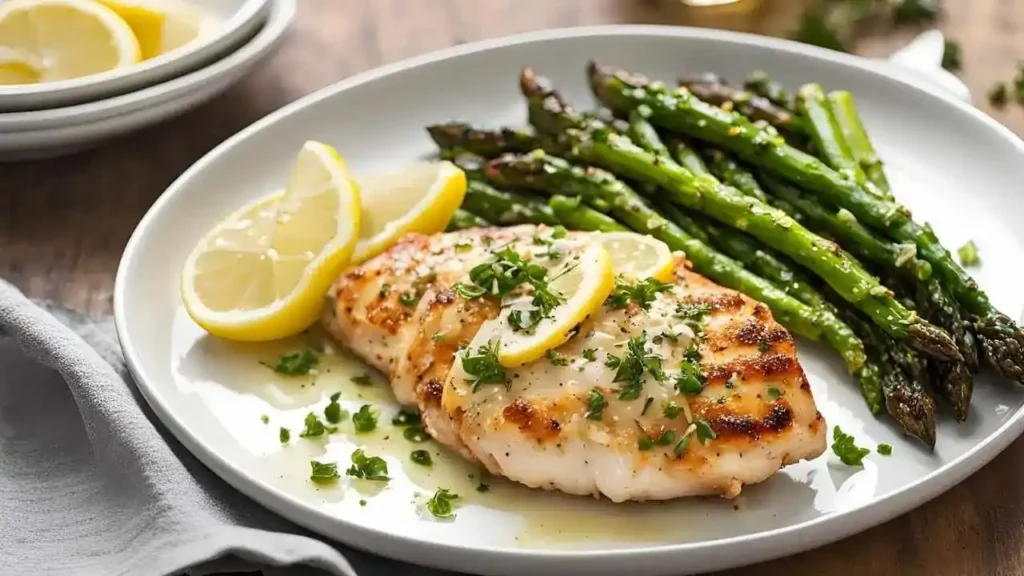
(64, 222)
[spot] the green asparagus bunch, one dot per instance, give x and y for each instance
(1001, 340)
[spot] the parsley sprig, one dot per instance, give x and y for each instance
(483, 366)
(441, 503)
(844, 446)
(643, 293)
(632, 368)
(368, 467)
(505, 271)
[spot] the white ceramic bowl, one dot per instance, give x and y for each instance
(944, 159)
(48, 133)
(237, 21)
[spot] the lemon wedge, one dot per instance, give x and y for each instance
(63, 39)
(638, 256)
(584, 284)
(261, 274)
(159, 25)
(422, 197)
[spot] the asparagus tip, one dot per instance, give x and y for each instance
(933, 341)
(1003, 344)
(955, 384)
(915, 414)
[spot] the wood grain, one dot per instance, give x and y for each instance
(64, 222)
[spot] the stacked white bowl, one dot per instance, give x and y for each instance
(54, 118)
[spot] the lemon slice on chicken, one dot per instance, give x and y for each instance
(638, 256)
(584, 282)
(421, 197)
(261, 274)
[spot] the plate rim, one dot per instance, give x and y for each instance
(19, 98)
(784, 540)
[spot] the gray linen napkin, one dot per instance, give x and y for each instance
(91, 483)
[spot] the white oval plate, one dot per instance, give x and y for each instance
(232, 22)
(211, 394)
(41, 134)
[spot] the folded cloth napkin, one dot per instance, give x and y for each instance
(91, 483)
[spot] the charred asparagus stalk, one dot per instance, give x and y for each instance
(485, 143)
(712, 88)
(761, 83)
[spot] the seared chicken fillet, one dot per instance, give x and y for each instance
(754, 414)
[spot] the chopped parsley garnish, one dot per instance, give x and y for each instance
(333, 412)
(695, 311)
(296, 363)
(558, 232)
(415, 434)
(481, 487)
(631, 368)
(264, 418)
(406, 418)
(692, 354)
(885, 449)
(773, 393)
(314, 427)
(507, 270)
(440, 504)
(647, 404)
(681, 446)
(704, 431)
(368, 467)
(409, 299)
(365, 420)
(469, 291)
(557, 359)
(590, 354)
(642, 293)
(483, 367)
(595, 405)
(844, 447)
(361, 380)
(672, 410)
(284, 435)
(421, 457)
(385, 289)
(323, 472)
(690, 379)
(968, 254)
(438, 337)
(646, 442)
(463, 246)
(516, 322)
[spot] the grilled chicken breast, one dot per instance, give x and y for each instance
(570, 421)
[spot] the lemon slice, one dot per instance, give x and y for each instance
(262, 273)
(63, 39)
(420, 198)
(585, 285)
(18, 67)
(638, 256)
(159, 25)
